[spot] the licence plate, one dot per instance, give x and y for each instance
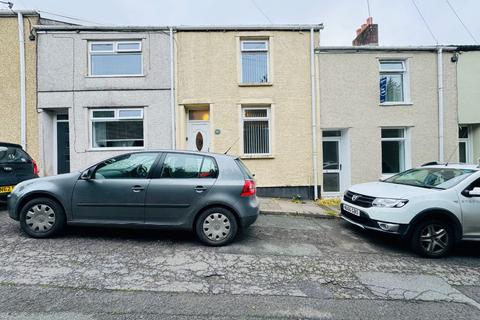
(351, 210)
(6, 189)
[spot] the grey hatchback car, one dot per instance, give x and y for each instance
(212, 194)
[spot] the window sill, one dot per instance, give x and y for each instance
(393, 104)
(115, 149)
(255, 156)
(118, 76)
(266, 84)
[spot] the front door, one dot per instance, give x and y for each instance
(332, 162)
(116, 191)
(198, 130)
(471, 212)
(63, 144)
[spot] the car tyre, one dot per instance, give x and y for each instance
(216, 227)
(42, 218)
(432, 238)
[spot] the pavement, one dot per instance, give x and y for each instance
(305, 208)
(283, 267)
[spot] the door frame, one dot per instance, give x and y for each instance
(55, 140)
(344, 158)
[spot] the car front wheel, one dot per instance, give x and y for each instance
(432, 238)
(42, 218)
(216, 227)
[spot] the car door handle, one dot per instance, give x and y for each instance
(137, 188)
(200, 189)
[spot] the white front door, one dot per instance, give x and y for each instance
(198, 136)
(335, 162)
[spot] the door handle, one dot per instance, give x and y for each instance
(137, 188)
(200, 189)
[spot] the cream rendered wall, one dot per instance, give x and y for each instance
(208, 72)
(469, 87)
(10, 84)
(349, 98)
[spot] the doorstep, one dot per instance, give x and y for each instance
(279, 206)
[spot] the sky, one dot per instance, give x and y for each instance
(399, 21)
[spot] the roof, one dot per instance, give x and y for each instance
(213, 28)
(354, 49)
(454, 166)
(8, 144)
(15, 12)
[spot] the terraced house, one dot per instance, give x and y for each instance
(102, 91)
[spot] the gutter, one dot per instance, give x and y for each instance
(23, 107)
(353, 49)
(172, 87)
(441, 120)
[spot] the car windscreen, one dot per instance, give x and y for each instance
(11, 154)
(435, 178)
(244, 169)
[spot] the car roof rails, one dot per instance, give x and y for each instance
(431, 163)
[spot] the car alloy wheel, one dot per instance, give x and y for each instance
(216, 226)
(434, 239)
(40, 218)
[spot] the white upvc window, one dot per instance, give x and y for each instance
(256, 131)
(117, 128)
(395, 150)
(254, 61)
(393, 82)
(464, 145)
(115, 58)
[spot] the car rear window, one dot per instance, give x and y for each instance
(9, 154)
(244, 169)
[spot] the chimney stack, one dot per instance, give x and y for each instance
(367, 34)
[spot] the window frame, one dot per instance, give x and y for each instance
(267, 118)
(116, 118)
(267, 50)
(407, 161)
(157, 174)
(404, 72)
(114, 50)
(468, 144)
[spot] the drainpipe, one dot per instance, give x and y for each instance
(23, 107)
(172, 87)
(314, 113)
(441, 152)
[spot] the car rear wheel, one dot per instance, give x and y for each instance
(216, 227)
(42, 218)
(432, 238)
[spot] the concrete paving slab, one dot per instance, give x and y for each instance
(278, 206)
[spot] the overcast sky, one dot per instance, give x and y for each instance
(399, 22)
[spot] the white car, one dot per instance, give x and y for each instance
(434, 206)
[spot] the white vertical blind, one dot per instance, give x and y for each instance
(256, 131)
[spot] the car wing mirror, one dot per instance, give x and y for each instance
(475, 192)
(87, 174)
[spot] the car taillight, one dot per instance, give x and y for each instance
(249, 189)
(35, 167)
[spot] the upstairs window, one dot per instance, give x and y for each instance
(254, 61)
(392, 81)
(116, 58)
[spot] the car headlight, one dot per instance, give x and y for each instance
(389, 203)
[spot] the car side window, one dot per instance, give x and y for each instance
(188, 166)
(474, 184)
(209, 168)
(128, 166)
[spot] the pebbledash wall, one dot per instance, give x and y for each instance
(209, 83)
(350, 103)
(10, 119)
(68, 92)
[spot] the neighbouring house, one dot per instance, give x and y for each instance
(18, 120)
(248, 90)
(102, 91)
(384, 110)
(468, 81)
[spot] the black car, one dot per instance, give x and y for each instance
(15, 166)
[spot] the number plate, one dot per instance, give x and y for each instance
(351, 210)
(6, 189)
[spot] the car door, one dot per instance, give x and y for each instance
(115, 190)
(471, 211)
(178, 187)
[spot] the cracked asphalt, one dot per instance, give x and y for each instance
(281, 268)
